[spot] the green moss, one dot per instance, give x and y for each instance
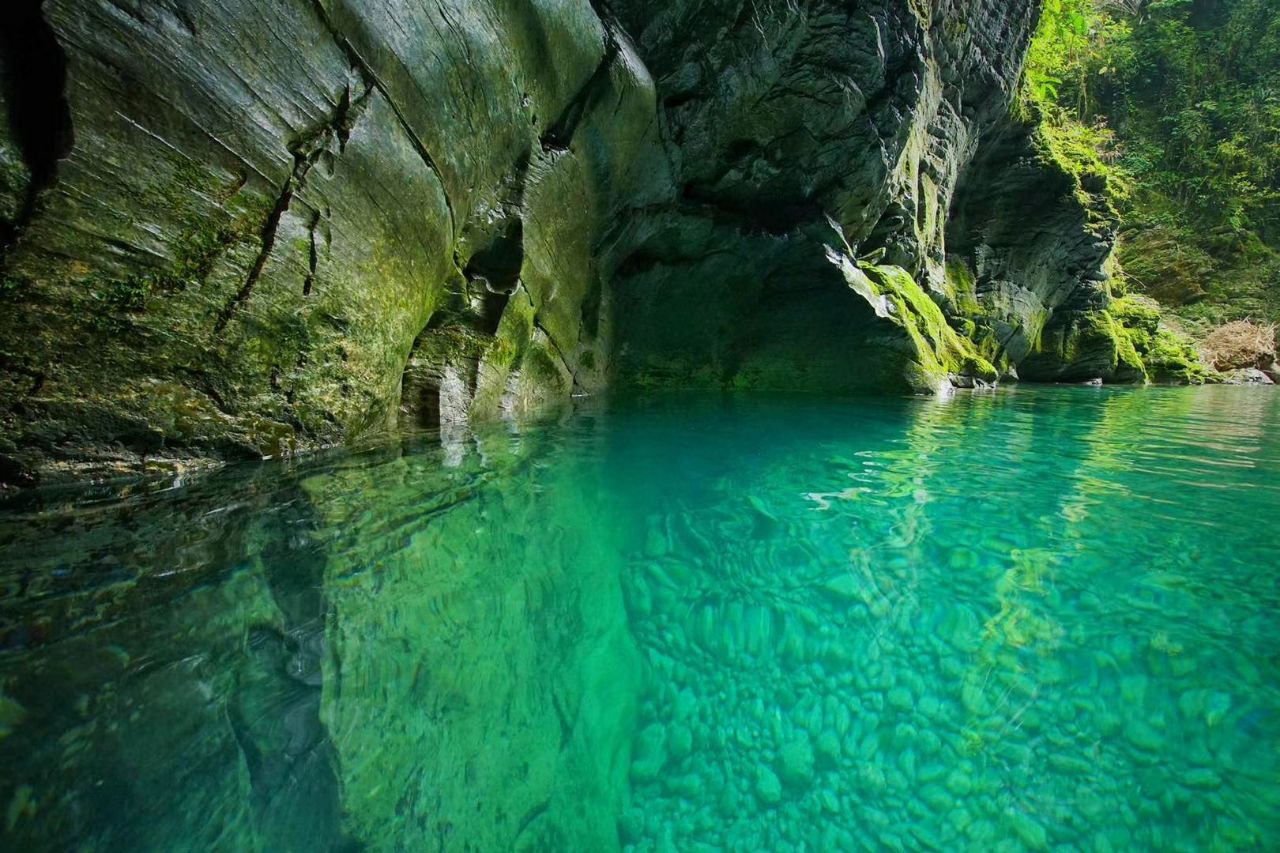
(939, 350)
(1077, 150)
(510, 342)
(450, 344)
(962, 287)
(197, 250)
(1138, 315)
(186, 192)
(1166, 355)
(975, 321)
(1099, 330)
(11, 286)
(1126, 353)
(1090, 344)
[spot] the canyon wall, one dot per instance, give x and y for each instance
(232, 231)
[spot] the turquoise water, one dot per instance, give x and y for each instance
(1032, 619)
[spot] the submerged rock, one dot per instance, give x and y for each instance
(650, 753)
(796, 761)
(1031, 832)
(768, 787)
(1143, 736)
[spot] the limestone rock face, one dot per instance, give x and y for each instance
(231, 230)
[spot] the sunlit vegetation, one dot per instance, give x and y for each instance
(1176, 105)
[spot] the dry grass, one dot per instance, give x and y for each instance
(1241, 344)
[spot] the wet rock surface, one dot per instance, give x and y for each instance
(1247, 376)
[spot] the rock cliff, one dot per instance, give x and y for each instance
(232, 230)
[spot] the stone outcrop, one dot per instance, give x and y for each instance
(233, 231)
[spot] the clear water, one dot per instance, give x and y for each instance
(1034, 619)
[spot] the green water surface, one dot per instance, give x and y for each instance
(1024, 620)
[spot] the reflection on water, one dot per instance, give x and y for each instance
(1009, 621)
(405, 649)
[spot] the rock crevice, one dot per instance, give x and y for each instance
(35, 128)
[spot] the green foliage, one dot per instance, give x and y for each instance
(1177, 104)
(963, 288)
(197, 252)
(1203, 91)
(1170, 111)
(1076, 42)
(1073, 41)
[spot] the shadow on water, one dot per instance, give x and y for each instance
(163, 664)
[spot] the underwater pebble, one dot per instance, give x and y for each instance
(1133, 689)
(982, 833)
(891, 842)
(796, 759)
(1216, 707)
(688, 786)
(639, 597)
(958, 783)
(1143, 736)
(872, 777)
(1031, 832)
(936, 798)
(931, 773)
(929, 742)
(651, 753)
(869, 746)
(1201, 777)
(686, 704)
(1070, 764)
(973, 699)
(729, 802)
(841, 719)
(908, 761)
(844, 587)
(828, 745)
(679, 741)
(631, 824)
(768, 788)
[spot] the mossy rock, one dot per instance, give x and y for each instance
(1168, 356)
(938, 351)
